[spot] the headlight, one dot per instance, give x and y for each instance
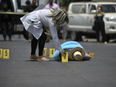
(110, 18)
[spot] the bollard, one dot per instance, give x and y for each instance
(64, 57)
(51, 52)
(6, 54)
(1, 53)
(45, 52)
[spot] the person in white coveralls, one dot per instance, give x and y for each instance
(34, 22)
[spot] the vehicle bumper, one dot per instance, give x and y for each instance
(110, 27)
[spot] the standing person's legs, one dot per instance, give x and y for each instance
(42, 41)
(33, 48)
(4, 31)
(64, 33)
(30, 37)
(33, 45)
(97, 31)
(103, 33)
(9, 30)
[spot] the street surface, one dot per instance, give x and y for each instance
(19, 71)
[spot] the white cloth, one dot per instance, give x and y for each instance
(34, 21)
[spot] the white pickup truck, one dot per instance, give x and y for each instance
(81, 16)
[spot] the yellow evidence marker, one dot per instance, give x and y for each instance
(51, 52)
(91, 54)
(64, 58)
(6, 54)
(1, 53)
(45, 52)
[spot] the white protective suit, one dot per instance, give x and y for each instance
(34, 21)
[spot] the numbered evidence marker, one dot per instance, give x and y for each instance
(65, 57)
(1, 53)
(51, 52)
(45, 52)
(6, 54)
(91, 54)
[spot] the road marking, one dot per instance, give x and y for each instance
(74, 72)
(65, 57)
(51, 52)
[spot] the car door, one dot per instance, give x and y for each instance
(78, 17)
(90, 18)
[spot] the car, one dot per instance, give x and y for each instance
(81, 19)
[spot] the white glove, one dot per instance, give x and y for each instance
(62, 52)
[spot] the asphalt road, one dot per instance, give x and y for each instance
(19, 71)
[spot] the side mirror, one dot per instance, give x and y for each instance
(93, 11)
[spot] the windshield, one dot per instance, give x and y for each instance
(109, 8)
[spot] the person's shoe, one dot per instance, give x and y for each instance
(105, 42)
(29, 40)
(42, 58)
(33, 57)
(64, 40)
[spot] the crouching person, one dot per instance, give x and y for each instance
(34, 22)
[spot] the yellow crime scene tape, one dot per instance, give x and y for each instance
(24, 13)
(14, 13)
(47, 31)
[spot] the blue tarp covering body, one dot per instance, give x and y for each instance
(67, 45)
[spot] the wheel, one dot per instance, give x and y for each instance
(76, 36)
(25, 34)
(107, 38)
(73, 35)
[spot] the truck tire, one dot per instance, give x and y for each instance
(107, 38)
(76, 36)
(25, 34)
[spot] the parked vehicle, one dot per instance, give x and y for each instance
(81, 16)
